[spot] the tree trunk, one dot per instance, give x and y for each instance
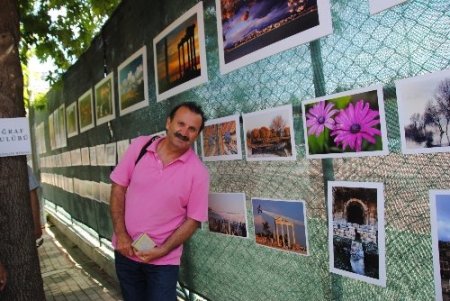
(17, 242)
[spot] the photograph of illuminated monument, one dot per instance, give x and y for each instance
(249, 31)
(281, 224)
(179, 54)
(356, 230)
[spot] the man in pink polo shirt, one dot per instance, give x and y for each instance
(164, 195)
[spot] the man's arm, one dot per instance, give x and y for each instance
(3, 277)
(36, 213)
(117, 209)
(183, 233)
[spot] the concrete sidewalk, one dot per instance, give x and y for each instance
(70, 275)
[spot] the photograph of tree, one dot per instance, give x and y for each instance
(104, 99)
(51, 131)
(86, 111)
(180, 56)
(133, 84)
(440, 234)
(347, 124)
(424, 112)
(356, 230)
(221, 139)
(60, 127)
(72, 120)
(281, 224)
(376, 6)
(269, 134)
(249, 31)
(227, 214)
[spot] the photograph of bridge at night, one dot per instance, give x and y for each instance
(281, 224)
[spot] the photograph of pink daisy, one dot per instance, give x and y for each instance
(347, 124)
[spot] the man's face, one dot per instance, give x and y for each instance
(183, 129)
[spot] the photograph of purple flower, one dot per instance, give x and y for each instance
(347, 124)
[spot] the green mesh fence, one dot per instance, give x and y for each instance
(404, 41)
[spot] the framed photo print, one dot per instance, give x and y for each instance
(269, 134)
(180, 55)
(86, 111)
(347, 124)
(249, 31)
(133, 82)
(104, 99)
(376, 6)
(51, 131)
(356, 230)
(227, 214)
(281, 224)
(440, 234)
(60, 127)
(72, 120)
(221, 139)
(423, 110)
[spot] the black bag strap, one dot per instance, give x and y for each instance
(144, 149)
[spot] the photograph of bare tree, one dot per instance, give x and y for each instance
(424, 113)
(356, 230)
(281, 224)
(269, 134)
(179, 54)
(227, 214)
(440, 234)
(221, 139)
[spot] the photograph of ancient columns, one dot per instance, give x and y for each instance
(179, 55)
(440, 234)
(356, 230)
(281, 224)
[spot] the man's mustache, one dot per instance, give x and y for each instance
(179, 136)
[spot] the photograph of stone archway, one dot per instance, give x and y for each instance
(356, 230)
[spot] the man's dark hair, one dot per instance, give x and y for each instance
(193, 107)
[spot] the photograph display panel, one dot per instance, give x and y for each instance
(51, 131)
(221, 139)
(440, 234)
(269, 134)
(281, 224)
(376, 6)
(72, 120)
(86, 111)
(180, 55)
(356, 230)
(347, 124)
(40, 139)
(60, 127)
(227, 214)
(133, 82)
(423, 109)
(104, 100)
(249, 31)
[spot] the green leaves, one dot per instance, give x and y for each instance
(61, 29)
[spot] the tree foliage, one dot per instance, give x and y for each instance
(61, 30)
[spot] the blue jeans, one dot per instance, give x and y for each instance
(146, 282)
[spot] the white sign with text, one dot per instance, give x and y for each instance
(14, 137)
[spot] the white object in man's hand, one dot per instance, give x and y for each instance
(143, 243)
